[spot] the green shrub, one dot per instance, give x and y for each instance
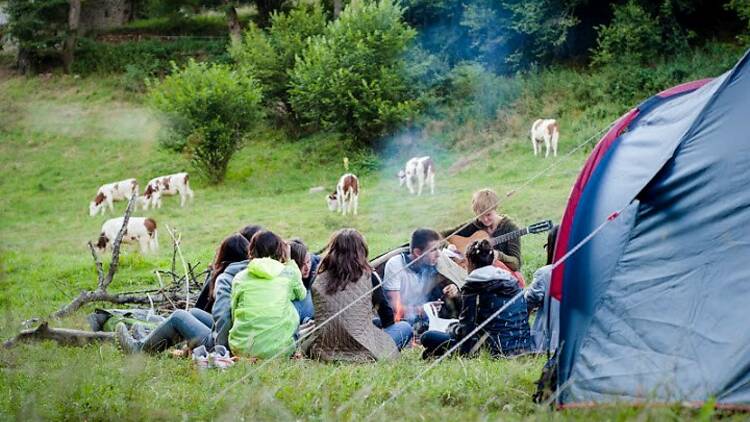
(477, 94)
(742, 8)
(636, 36)
(150, 57)
(209, 109)
(352, 78)
(633, 35)
(269, 55)
(515, 34)
(198, 25)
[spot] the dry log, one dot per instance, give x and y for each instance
(63, 336)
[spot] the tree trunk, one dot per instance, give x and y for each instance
(233, 22)
(337, 6)
(74, 17)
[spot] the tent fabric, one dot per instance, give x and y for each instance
(653, 307)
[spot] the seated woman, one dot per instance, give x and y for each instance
(345, 277)
(546, 329)
(195, 325)
(487, 290)
(264, 319)
(308, 265)
(207, 295)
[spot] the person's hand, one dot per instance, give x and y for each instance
(450, 291)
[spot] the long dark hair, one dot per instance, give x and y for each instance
(345, 259)
(266, 244)
(249, 231)
(550, 245)
(298, 252)
(232, 249)
(479, 254)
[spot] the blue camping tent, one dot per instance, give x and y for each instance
(656, 307)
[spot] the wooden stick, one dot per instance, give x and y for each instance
(63, 336)
(103, 282)
(97, 264)
(116, 245)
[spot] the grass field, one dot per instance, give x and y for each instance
(61, 138)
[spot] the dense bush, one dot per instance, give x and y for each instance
(473, 93)
(503, 35)
(138, 60)
(269, 55)
(742, 8)
(352, 78)
(209, 109)
(637, 36)
(199, 25)
(152, 56)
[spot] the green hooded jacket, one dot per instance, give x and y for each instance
(263, 318)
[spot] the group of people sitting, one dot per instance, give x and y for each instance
(267, 297)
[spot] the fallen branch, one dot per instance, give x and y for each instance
(100, 294)
(177, 238)
(63, 336)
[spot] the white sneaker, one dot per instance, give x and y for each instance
(200, 357)
(220, 358)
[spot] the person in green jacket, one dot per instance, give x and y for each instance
(264, 318)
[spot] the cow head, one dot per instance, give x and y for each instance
(401, 177)
(332, 201)
(96, 204)
(101, 244)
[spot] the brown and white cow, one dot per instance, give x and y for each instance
(419, 171)
(173, 184)
(547, 131)
(111, 192)
(140, 229)
(346, 196)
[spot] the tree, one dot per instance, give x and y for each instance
(39, 27)
(269, 55)
(504, 35)
(209, 109)
(74, 16)
(352, 79)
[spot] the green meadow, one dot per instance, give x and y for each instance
(61, 137)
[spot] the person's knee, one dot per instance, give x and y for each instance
(180, 314)
(405, 329)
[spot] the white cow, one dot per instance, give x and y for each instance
(140, 229)
(346, 196)
(111, 192)
(419, 171)
(547, 131)
(178, 183)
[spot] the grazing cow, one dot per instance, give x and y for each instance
(111, 192)
(140, 229)
(547, 131)
(178, 183)
(346, 196)
(418, 170)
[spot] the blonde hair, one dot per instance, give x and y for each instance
(484, 200)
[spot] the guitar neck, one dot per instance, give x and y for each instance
(509, 236)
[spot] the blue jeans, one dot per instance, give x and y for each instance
(400, 332)
(436, 343)
(304, 307)
(193, 326)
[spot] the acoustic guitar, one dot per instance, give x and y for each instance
(461, 243)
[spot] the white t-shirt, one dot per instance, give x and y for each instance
(415, 286)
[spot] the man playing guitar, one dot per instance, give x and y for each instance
(484, 204)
